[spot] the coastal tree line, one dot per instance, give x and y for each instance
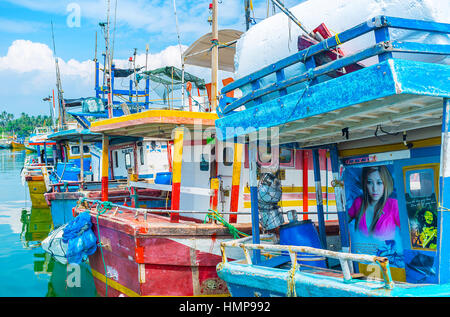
(22, 126)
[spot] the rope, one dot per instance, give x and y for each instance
(214, 215)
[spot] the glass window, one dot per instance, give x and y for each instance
(286, 156)
(127, 160)
(116, 159)
(227, 156)
(421, 183)
(75, 149)
(86, 149)
(141, 154)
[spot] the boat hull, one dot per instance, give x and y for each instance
(37, 189)
(155, 257)
(245, 280)
(17, 145)
(62, 203)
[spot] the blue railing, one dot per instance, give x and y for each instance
(383, 48)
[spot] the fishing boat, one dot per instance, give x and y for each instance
(17, 144)
(173, 250)
(386, 121)
(36, 171)
(78, 174)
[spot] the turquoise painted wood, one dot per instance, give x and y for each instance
(384, 80)
(253, 280)
(61, 210)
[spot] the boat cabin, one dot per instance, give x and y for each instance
(385, 128)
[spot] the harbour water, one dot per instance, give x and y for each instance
(25, 269)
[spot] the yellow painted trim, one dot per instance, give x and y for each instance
(114, 284)
(294, 203)
(214, 183)
(157, 113)
(177, 155)
(297, 189)
(389, 147)
(131, 293)
(236, 179)
(76, 157)
(105, 156)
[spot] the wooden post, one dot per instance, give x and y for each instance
(253, 182)
(319, 203)
(339, 194)
(105, 167)
(235, 181)
(214, 56)
(176, 173)
(305, 184)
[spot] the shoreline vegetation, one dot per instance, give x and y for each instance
(22, 126)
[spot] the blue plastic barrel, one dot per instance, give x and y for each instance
(302, 233)
(163, 178)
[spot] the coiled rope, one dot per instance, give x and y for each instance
(214, 215)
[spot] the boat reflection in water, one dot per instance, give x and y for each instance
(65, 280)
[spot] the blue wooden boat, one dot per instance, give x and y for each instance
(385, 124)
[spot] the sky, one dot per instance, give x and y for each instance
(27, 65)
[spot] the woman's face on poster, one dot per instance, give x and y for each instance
(375, 186)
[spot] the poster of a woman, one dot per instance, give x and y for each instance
(373, 213)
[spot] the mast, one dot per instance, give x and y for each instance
(214, 56)
(247, 14)
(62, 120)
(181, 54)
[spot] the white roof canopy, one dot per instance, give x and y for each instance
(199, 53)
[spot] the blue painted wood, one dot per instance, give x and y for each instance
(420, 48)
(342, 214)
(311, 75)
(443, 245)
(61, 210)
(417, 25)
(253, 280)
(378, 81)
(319, 200)
(300, 56)
(382, 35)
(253, 182)
(378, 24)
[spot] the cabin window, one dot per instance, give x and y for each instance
(128, 160)
(228, 156)
(141, 154)
(286, 156)
(86, 149)
(204, 162)
(116, 160)
(75, 149)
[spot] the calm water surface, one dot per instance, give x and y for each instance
(25, 269)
